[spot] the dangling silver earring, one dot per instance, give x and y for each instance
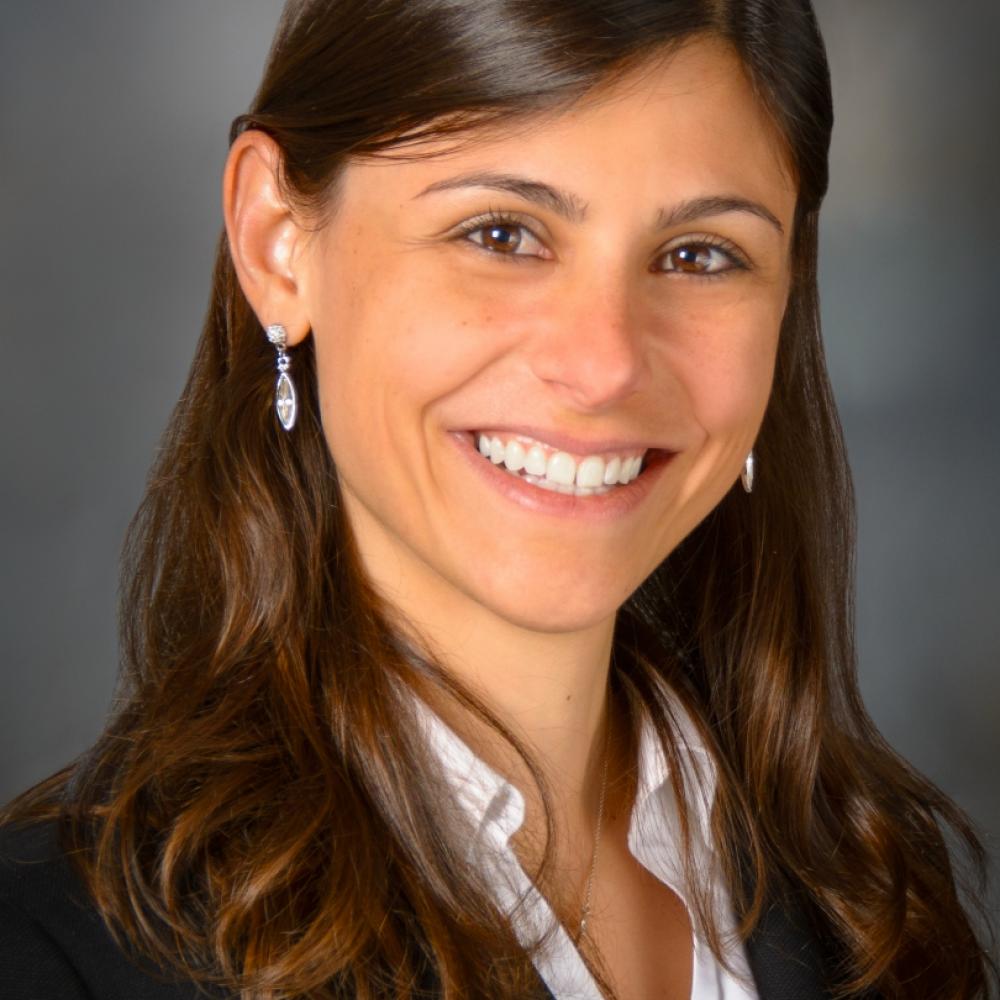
(747, 474)
(285, 402)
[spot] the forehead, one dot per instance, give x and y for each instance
(692, 107)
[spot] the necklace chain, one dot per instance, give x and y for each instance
(588, 892)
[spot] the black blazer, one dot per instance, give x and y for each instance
(54, 945)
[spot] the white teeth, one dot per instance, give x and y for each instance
(514, 456)
(535, 463)
(579, 491)
(559, 471)
(590, 471)
(627, 473)
(547, 484)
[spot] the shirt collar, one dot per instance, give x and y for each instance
(484, 798)
(655, 830)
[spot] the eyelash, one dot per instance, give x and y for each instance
(505, 220)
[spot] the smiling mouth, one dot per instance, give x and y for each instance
(560, 471)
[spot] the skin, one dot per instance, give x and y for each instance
(595, 331)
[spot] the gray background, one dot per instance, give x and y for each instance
(113, 121)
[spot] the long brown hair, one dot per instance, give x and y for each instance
(259, 813)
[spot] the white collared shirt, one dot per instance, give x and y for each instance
(495, 809)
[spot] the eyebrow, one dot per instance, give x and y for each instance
(574, 209)
(567, 205)
(701, 208)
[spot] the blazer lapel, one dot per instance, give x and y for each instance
(785, 958)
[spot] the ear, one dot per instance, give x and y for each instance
(265, 239)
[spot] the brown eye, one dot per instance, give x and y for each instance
(700, 258)
(503, 239)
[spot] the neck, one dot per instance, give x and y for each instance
(550, 691)
(547, 687)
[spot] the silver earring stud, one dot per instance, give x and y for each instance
(285, 402)
(747, 474)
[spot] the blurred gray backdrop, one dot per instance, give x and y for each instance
(113, 124)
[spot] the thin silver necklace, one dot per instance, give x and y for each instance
(585, 911)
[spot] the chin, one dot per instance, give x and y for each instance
(556, 609)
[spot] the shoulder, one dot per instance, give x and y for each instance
(53, 941)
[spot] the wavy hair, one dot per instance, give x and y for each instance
(258, 812)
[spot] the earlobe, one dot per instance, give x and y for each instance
(264, 234)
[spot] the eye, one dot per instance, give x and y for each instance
(704, 258)
(503, 236)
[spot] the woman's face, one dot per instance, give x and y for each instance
(606, 284)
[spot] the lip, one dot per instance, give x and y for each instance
(568, 443)
(602, 507)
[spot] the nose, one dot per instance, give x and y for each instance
(589, 345)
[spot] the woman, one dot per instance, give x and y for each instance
(468, 652)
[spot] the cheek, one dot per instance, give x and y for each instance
(725, 359)
(393, 325)
(392, 340)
